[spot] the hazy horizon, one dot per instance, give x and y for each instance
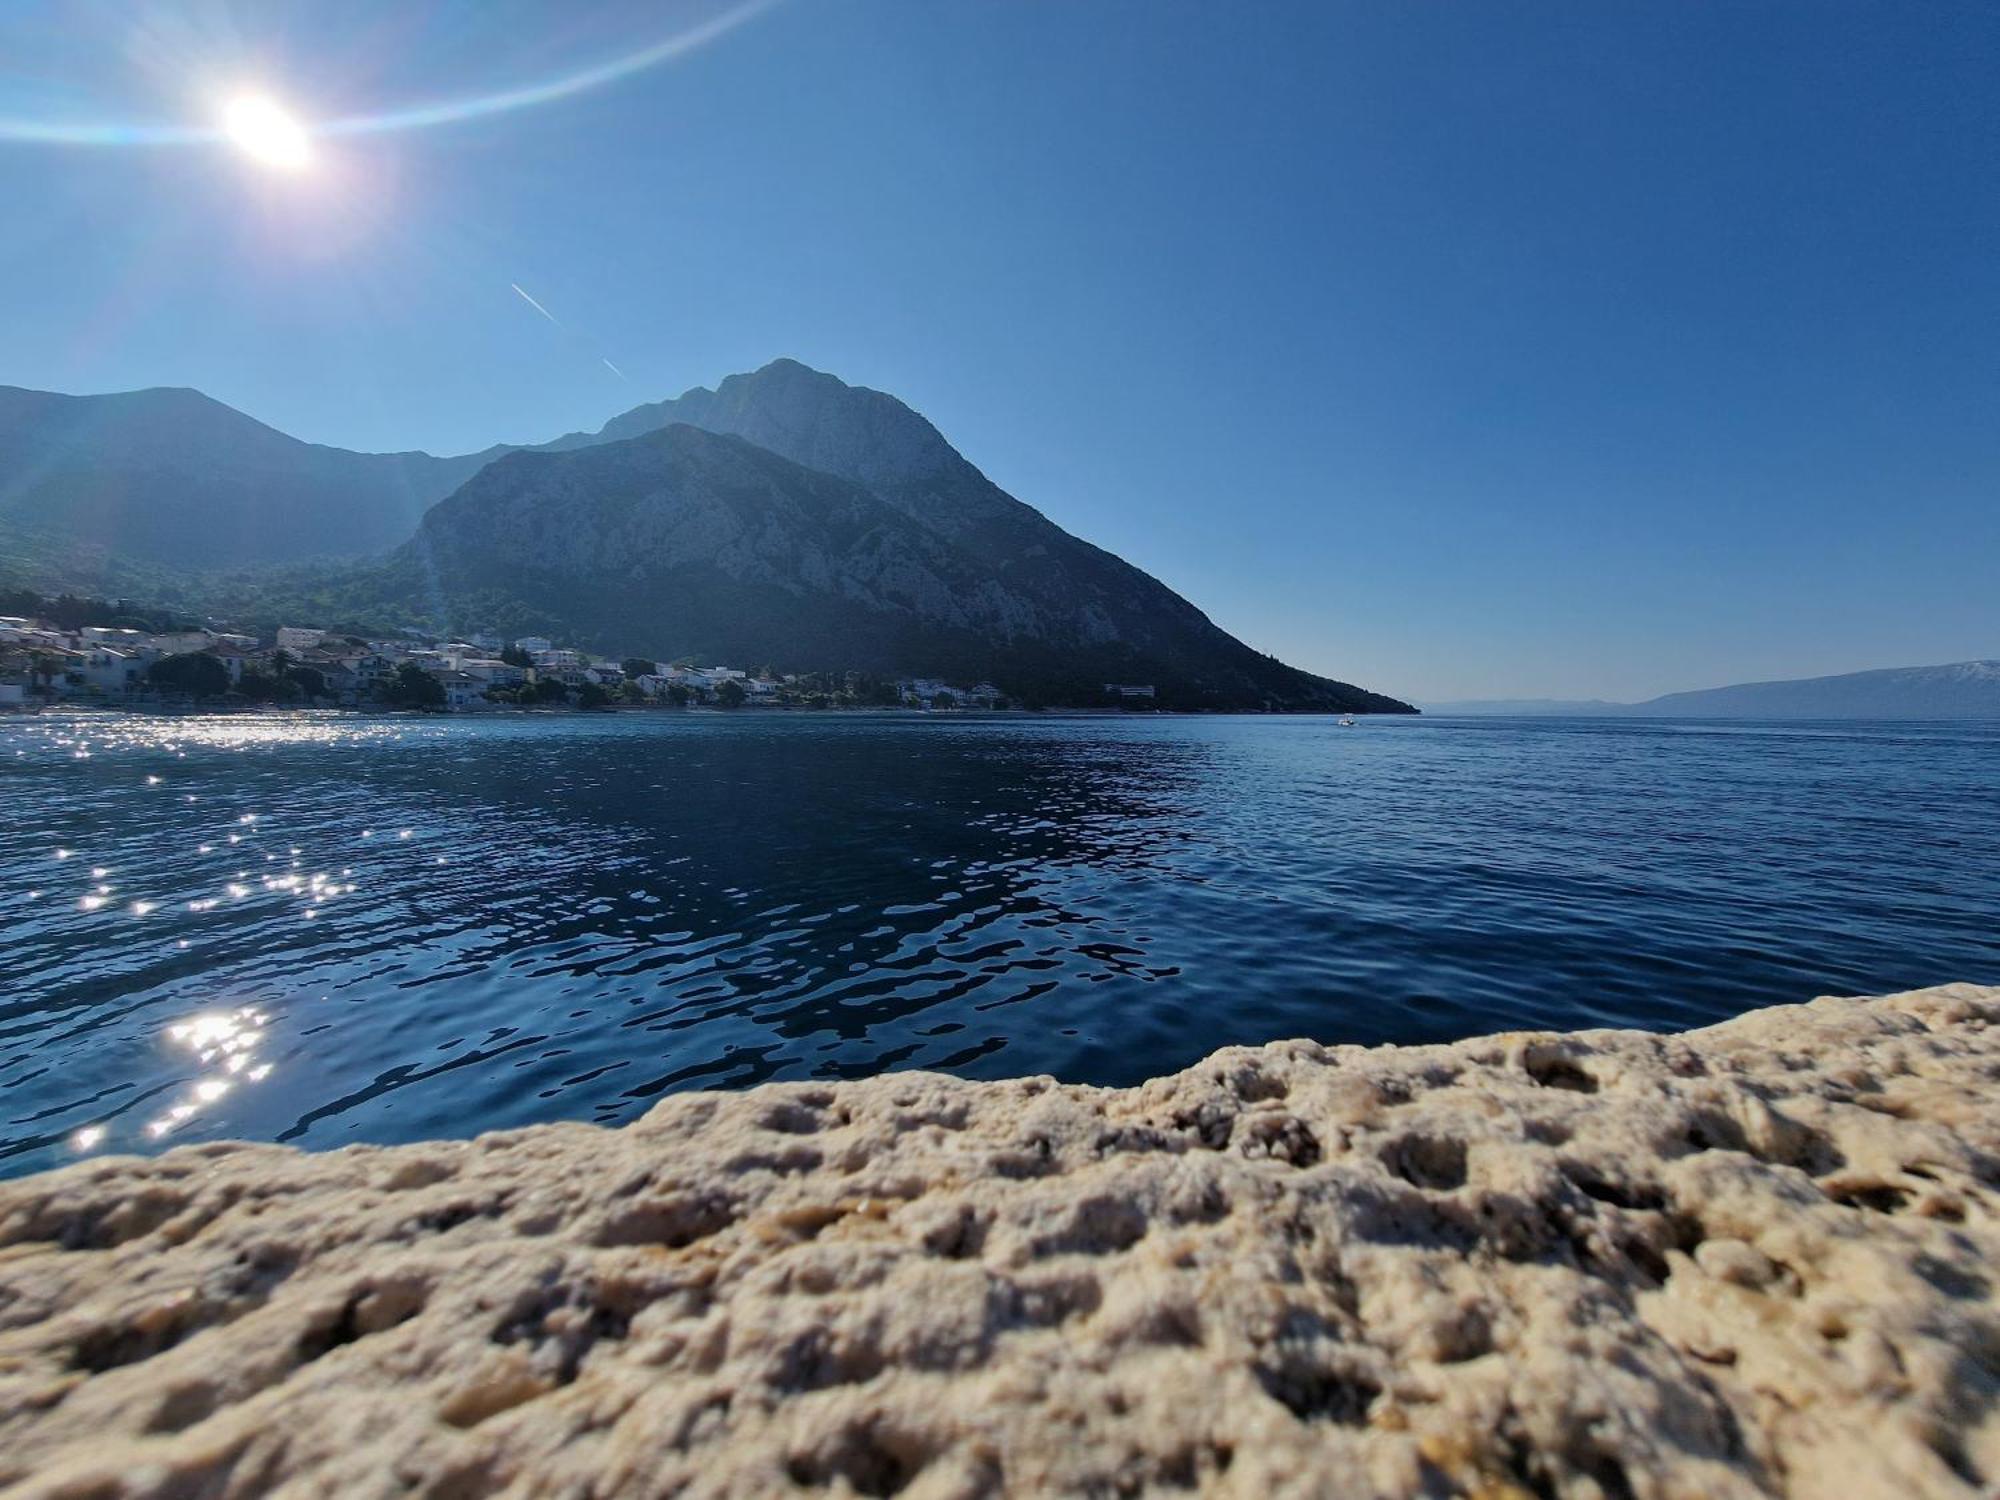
(1463, 355)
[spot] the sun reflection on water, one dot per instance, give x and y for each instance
(225, 1042)
(219, 731)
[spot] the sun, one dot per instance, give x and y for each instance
(266, 133)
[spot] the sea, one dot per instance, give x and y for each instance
(328, 929)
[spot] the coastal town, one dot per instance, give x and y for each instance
(55, 656)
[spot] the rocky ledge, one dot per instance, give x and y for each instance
(1749, 1260)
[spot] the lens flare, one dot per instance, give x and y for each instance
(266, 132)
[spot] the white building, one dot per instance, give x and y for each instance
(461, 691)
(16, 632)
(491, 670)
(114, 635)
(369, 668)
(534, 645)
(106, 669)
(299, 637)
(705, 679)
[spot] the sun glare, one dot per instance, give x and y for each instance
(266, 133)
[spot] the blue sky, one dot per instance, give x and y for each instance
(1461, 350)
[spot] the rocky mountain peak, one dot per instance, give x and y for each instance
(812, 418)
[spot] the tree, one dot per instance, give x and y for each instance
(631, 692)
(309, 680)
(413, 687)
(195, 673)
(263, 687)
(677, 694)
(590, 695)
(731, 694)
(639, 666)
(72, 613)
(550, 690)
(944, 700)
(514, 656)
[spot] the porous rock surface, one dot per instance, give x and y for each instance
(1750, 1260)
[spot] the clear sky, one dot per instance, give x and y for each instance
(1458, 349)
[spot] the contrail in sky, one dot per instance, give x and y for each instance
(536, 305)
(523, 295)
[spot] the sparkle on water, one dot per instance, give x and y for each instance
(570, 916)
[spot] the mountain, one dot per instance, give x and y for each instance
(172, 479)
(822, 422)
(820, 526)
(1958, 690)
(1085, 616)
(784, 516)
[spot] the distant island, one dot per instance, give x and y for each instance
(1956, 690)
(783, 517)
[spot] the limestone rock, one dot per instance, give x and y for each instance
(1752, 1260)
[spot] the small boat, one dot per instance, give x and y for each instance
(1346, 723)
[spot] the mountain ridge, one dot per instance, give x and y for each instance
(947, 574)
(928, 569)
(173, 477)
(1947, 690)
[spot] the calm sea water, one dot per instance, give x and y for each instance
(323, 929)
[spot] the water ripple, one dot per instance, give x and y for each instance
(322, 928)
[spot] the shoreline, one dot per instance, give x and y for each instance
(1752, 1259)
(648, 709)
